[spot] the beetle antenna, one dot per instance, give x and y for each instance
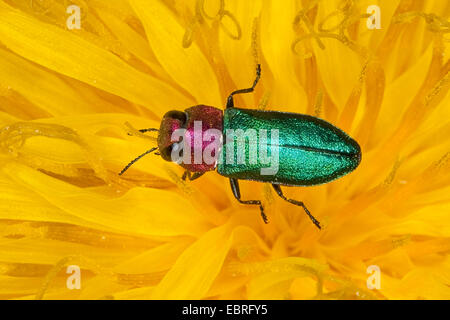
(147, 130)
(132, 162)
(144, 131)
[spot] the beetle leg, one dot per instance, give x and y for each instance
(237, 194)
(277, 188)
(230, 101)
(191, 176)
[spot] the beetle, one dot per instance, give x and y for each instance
(311, 151)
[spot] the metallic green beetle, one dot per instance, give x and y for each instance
(301, 150)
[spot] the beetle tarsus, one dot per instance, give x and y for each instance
(237, 194)
(263, 215)
(278, 190)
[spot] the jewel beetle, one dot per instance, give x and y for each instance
(309, 150)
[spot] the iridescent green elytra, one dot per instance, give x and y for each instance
(309, 150)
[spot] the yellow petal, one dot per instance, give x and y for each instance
(127, 213)
(277, 36)
(187, 66)
(64, 52)
(196, 269)
(157, 259)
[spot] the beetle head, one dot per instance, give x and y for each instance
(198, 117)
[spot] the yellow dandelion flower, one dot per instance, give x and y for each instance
(70, 94)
